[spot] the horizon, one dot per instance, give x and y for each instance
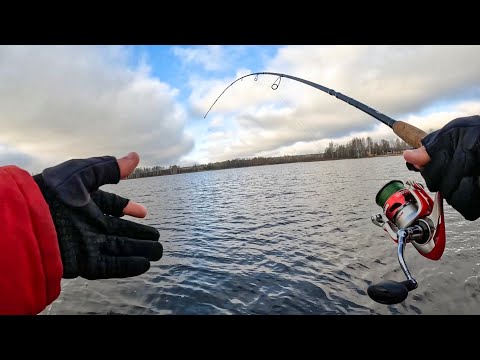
(267, 157)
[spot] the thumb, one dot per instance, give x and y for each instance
(127, 164)
(418, 157)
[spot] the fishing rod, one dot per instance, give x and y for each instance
(409, 214)
(408, 133)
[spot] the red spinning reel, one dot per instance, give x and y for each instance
(410, 215)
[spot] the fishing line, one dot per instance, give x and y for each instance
(286, 104)
(275, 86)
(309, 138)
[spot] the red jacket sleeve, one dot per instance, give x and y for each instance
(30, 262)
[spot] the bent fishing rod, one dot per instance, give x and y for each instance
(409, 214)
(408, 133)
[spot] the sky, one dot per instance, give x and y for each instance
(64, 102)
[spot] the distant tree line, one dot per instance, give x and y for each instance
(355, 148)
(361, 147)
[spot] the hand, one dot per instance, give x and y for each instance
(94, 242)
(449, 161)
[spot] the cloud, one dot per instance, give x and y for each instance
(216, 122)
(31, 163)
(219, 58)
(245, 143)
(62, 102)
(210, 57)
(10, 156)
(408, 83)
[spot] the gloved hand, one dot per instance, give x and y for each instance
(94, 242)
(449, 161)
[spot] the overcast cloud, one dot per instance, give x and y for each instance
(62, 102)
(79, 101)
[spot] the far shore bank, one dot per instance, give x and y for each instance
(241, 163)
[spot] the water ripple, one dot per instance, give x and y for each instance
(280, 239)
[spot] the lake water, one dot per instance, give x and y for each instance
(280, 239)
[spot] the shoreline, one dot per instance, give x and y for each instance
(228, 164)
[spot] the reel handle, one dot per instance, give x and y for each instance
(391, 292)
(410, 285)
(409, 133)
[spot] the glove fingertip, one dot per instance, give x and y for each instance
(137, 266)
(157, 252)
(155, 234)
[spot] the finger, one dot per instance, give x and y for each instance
(122, 227)
(116, 205)
(418, 157)
(109, 203)
(124, 246)
(135, 209)
(109, 267)
(127, 164)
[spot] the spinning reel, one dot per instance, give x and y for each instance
(409, 215)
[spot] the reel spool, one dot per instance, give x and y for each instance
(409, 215)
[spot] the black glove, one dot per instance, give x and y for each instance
(94, 242)
(455, 164)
